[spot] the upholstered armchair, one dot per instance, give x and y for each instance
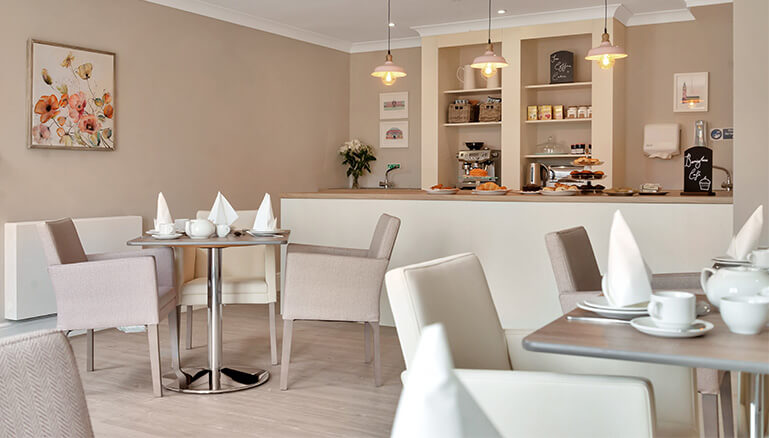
(577, 276)
(111, 290)
(42, 392)
(249, 276)
(453, 291)
(337, 284)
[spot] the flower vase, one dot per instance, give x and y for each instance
(355, 184)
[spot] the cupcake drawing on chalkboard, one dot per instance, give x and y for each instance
(705, 184)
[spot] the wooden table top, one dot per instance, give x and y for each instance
(244, 239)
(718, 349)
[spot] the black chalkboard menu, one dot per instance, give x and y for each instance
(562, 67)
(698, 170)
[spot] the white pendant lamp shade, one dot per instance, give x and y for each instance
(489, 62)
(605, 54)
(389, 71)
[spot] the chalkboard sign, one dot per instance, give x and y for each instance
(698, 170)
(562, 67)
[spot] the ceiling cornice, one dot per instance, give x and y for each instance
(617, 11)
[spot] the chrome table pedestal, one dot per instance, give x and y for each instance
(216, 378)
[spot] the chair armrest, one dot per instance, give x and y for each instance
(316, 249)
(569, 300)
(332, 287)
(106, 293)
(164, 262)
(678, 281)
(534, 404)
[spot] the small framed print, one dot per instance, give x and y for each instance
(394, 105)
(690, 92)
(394, 134)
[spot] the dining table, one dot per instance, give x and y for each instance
(220, 378)
(718, 349)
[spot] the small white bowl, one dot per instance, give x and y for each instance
(745, 315)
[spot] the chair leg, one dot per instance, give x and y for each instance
(89, 350)
(273, 335)
(366, 342)
(709, 415)
(377, 361)
(154, 342)
(288, 328)
(726, 405)
(176, 363)
(189, 328)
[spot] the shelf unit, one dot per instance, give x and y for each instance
(546, 156)
(559, 121)
(556, 86)
(474, 124)
(475, 91)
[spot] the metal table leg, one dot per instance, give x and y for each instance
(220, 379)
(756, 414)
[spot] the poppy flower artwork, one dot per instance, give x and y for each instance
(72, 103)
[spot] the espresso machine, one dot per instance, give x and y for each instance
(488, 160)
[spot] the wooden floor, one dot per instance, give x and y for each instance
(331, 390)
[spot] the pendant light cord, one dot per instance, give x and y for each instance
(605, 13)
(489, 21)
(388, 26)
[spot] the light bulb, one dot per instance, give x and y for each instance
(388, 79)
(606, 62)
(488, 70)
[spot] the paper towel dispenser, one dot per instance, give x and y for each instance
(662, 140)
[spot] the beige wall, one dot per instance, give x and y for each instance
(751, 110)
(201, 106)
(657, 52)
(364, 114)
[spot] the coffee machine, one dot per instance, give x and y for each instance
(489, 160)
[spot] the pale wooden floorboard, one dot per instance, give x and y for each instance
(331, 390)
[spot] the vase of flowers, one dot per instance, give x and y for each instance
(357, 157)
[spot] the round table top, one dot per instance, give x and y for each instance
(244, 239)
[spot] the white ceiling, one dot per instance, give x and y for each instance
(360, 25)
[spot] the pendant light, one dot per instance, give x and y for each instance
(489, 62)
(388, 71)
(605, 54)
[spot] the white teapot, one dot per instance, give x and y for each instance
(199, 228)
(741, 280)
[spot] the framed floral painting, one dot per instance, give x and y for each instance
(71, 97)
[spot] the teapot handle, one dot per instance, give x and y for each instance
(705, 276)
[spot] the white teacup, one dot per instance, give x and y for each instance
(759, 258)
(672, 309)
(222, 230)
(165, 229)
(745, 315)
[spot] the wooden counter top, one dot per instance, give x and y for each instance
(674, 197)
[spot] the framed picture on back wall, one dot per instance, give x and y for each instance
(70, 97)
(394, 105)
(394, 134)
(690, 92)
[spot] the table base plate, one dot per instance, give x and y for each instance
(231, 380)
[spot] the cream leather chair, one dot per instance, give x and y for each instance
(577, 276)
(453, 291)
(42, 392)
(248, 277)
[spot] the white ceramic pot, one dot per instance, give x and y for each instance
(737, 281)
(745, 315)
(199, 228)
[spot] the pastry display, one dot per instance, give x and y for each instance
(586, 174)
(442, 187)
(478, 172)
(561, 188)
(586, 161)
(531, 188)
(490, 186)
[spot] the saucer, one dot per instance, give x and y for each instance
(647, 326)
(609, 313)
(603, 303)
(729, 261)
(151, 232)
(166, 236)
(257, 233)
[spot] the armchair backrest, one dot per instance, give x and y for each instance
(452, 291)
(383, 241)
(573, 260)
(43, 394)
(236, 262)
(61, 242)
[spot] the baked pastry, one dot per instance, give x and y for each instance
(478, 172)
(531, 188)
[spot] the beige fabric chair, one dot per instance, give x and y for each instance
(337, 284)
(577, 275)
(453, 291)
(249, 276)
(111, 290)
(42, 392)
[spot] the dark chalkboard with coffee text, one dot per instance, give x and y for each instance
(562, 67)
(698, 170)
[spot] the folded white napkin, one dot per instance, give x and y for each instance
(265, 219)
(163, 215)
(434, 403)
(222, 212)
(628, 278)
(747, 238)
